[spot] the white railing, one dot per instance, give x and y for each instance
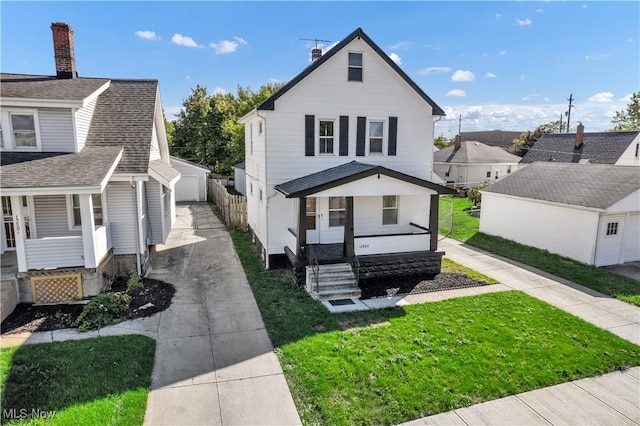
(393, 243)
(55, 252)
(103, 241)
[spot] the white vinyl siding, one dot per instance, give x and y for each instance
(51, 216)
(54, 253)
(83, 121)
(121, 210)
(190, 175)
(155, 147)
(154, 202)
(56, 130)
(610, 236)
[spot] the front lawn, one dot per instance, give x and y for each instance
(94, 381)
(394, 365)
(595, 278)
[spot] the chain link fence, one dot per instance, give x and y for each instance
(458, 218)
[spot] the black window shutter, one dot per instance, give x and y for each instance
(309, 135)
(360, 135)
(393, 135)
(344, 135)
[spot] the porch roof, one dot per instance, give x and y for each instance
(163, 172)
(345, 173)
(90, 168)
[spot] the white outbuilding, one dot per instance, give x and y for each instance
(192, 185)
(587, 212)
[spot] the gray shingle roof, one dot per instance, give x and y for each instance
(48, 87)
(163, 169)
(89, 167)
(588, 185)
(472, 152)
(124, 117)
(502, 138)
(345, 173)
(598, 148)
(13, 157)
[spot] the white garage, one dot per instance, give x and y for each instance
(192, 185)
(587, 212)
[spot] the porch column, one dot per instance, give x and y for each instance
(348, 248)
(88, 231)
(433, 221)
(20, 233)
(302, 226)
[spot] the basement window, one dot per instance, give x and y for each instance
(612, 228)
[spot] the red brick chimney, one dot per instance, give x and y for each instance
(316, 53)
(458, 143)
(63, 50)
(579, 136)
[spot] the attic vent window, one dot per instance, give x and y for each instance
(355, 66)
(612, 228)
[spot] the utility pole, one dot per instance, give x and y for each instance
(569, 111)
(459, 125)
(560, 123)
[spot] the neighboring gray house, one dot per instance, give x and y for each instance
(619, 148)
(502, 138)
(192, 185)
(587, 212)
(471, 163)
(85, 180)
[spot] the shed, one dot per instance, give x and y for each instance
(192, 185)
(240, 183)
(587, 212)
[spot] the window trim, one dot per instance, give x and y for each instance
(333, 145)
(383, 147)
(8, 136)
(311, 214)
(105, 220)
(396, 208)
(361, 66)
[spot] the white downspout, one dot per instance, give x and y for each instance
(266, 196)
(134, 186)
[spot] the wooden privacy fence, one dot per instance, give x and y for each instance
(232, 207)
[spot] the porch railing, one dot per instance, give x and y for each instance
(315, 266)
(55, 252)
(103, 241)
(393, 243)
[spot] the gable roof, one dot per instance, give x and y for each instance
(597, 186)
(48, 87)
(501, 138)
(345, 173)
(598, 148)
(188, 163)
(124, 117)
(472, 152)
(269, 103)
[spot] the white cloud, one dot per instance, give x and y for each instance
(401, 45)
(539, 10)
(490, 75)
(502, 52)
(240, 40)
(329, 47)
(147, 35)
(395, 58)
(457, 92)
(546, 99)
(629, 40)
(227, 46)
(219, 91)
(498, 16)
(186, 41)
(461, 75)
(523, 22)
(597, 56)
(433, 70)
(626, 98)
(584, 6)
(523, 77)
(601, 97)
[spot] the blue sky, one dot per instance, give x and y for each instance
(501, 65)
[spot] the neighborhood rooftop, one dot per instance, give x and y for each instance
(502, 138)
(596, 186)
(473, 152)
(48, 87)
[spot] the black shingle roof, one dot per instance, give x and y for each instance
(502, 138)
(269, 103)
(472, 152)
(48, 87)
(124, 117)
(588, 185)
(89, 167)
(597, 148)
(345, 173)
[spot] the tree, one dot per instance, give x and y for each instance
(442, 142)
(628, 119)
(527, 139)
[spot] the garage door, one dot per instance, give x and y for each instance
(187, 188)
(631, 243)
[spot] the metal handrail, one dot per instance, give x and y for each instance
(315, 266)
(355, 266)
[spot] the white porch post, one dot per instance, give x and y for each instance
(20, 232)
(88, 231)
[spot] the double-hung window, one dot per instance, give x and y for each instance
(326, 137)
(76, 216)
(390, 210)
(337, 211)
(19, 130)
(355, 66)
(376, 136)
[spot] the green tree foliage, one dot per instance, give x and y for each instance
(442, 142)
(207, 131)
(628, 119)
(527, 139)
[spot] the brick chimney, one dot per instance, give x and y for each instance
(316, 53)
(63, 50)
(458, 143)
(579, 136)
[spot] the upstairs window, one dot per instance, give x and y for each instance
(355, 66)
(612, 228)
(326, 137)
(19, 130)
(376, 133)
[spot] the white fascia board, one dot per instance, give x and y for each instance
(248, 116)
(40, 103)
(189, 164)
(162, 179)
(107, 177)
(58, 190)
(549, 203)
(95, 94)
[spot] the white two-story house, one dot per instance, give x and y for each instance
(339, 166)
(85, 180)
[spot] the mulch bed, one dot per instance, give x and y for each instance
(415, 284)
(29, 318)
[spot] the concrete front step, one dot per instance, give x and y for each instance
(337, 294)
(335, 281)
(337, 285)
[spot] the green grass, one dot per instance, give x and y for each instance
(459, 224)
(395, 365)
(449, 267)
(94, 381)
(598, 279)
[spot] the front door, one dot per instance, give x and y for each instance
(312, 221)
(325, 220)
(9, 234)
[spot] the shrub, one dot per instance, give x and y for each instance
(134, 285)
(475, 195)
(102, 310)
